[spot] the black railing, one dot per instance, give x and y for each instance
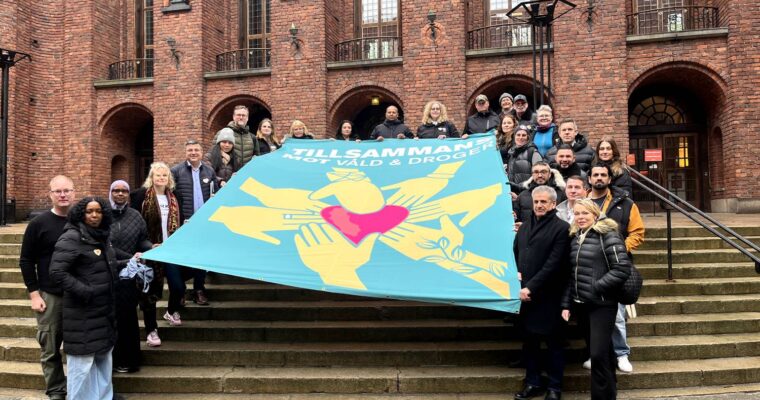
(242, 59)
(500, 36)
(371, 48)
(672, 19)
(676, 203)
(131, 69)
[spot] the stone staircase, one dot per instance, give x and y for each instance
(699, 334)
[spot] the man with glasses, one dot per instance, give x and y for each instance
(541, 174)
(246, 146)
(36, 251)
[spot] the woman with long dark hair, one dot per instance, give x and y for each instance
(346, 131)
(221, 157)
(608, 153)
(84, 265)
(600, 267)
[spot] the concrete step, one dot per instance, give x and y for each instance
(387, 380)
(698, 271)
(670, 305)
(694, 324)
(9, 261)
(707, 286)
(311, 331)
(690, 256)
(684, 347)
(327, 310)
(10, 249)
(11, 238)
(697, 231)
(691, 243)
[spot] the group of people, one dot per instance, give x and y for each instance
(73, 260)
(571, 204)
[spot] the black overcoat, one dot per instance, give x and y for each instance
(541, 250)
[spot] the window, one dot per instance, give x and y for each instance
(378, 27)
(657, 110)
(655, 16)
(144, 28)
(505, 32)
(255, 33)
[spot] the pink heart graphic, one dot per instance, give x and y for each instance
(357, 226)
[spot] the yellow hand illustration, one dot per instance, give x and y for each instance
(472, 203)
(354, 191)
(444, 248)
(292, 199)
(325, 251)
(254, 221)
(415, 191)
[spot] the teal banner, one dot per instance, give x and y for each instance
(424, 220)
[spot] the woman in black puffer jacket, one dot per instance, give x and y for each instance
(521, 156)
(84, 266)
(600, 266)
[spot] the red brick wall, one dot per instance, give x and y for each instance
(75, 128)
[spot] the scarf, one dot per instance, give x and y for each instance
(97, 234)
(152, 214)
(115, 206)
(225, 158)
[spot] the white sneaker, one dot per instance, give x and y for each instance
(587, 364)
(624, 365)
(153, 340)
(173, 319)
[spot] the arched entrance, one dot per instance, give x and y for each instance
(512, 84)
(128, 136)
(671, 112)
(365, 108)
(221, 115)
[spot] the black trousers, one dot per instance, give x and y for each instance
(554, 364)
(126, 352)
(598, 322)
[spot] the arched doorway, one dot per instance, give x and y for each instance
(672, 110)
(128, 137)
(221, 115)
(365, 108)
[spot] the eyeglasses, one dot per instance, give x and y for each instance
(541, 172)
(120, 191)
(64, 192)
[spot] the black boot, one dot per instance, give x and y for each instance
(529, 392)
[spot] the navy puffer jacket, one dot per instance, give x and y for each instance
(594, 279)
(183, 180)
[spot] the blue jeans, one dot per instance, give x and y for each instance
(176, 275)
(619, 342)
(90, 376)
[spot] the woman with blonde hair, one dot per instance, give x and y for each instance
(435, 122)
(298, 130)
(159, 207)
(600, 267)
(265, 135)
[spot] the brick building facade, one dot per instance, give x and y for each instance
(679, 75)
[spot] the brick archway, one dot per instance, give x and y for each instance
(493, 88)
(127, 144)
(221, 114)
(676, 107)
(356, 106)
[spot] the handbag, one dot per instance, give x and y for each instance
(631, 289)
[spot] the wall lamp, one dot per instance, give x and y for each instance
(431, 22)
(294, 41)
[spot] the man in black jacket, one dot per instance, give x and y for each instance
(568, 134)
(36, 251)
(482, 121)
(566, 163)
(391, 127)
(194, 182)
(541, 248)
(541, 174)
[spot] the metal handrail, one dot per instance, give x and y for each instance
(368, 48)
(671, 200)
(500, 36)
(672, 19)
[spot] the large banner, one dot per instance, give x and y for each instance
(426, 220)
